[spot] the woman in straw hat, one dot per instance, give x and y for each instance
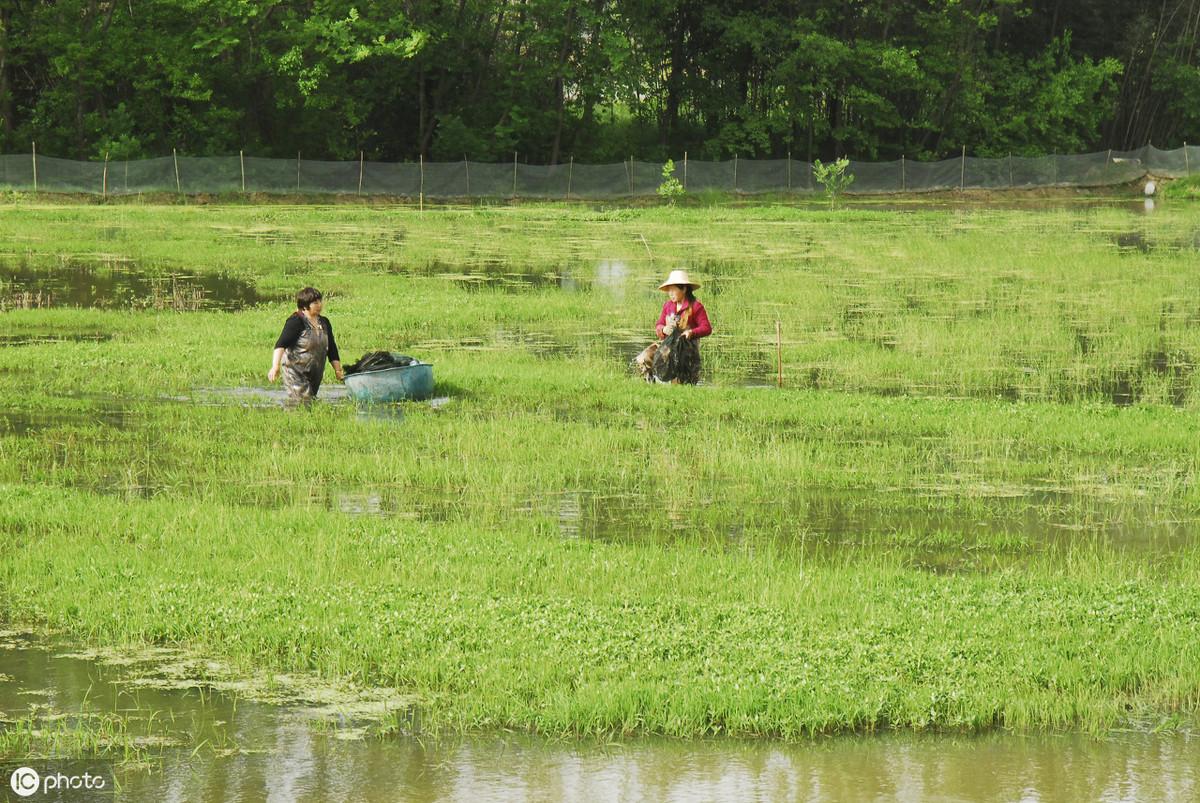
(676, 357)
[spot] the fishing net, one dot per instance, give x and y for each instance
(379, 361)
(677, 359)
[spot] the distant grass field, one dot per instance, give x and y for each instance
(972, 504)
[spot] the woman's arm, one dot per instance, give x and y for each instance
(276, 362)
(662, 322)
(700, 325)
(334, 357)
(292, 328)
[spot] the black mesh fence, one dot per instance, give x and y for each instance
(234, 174)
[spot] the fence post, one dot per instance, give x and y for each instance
(421, 196)
(35, 167)
(735, 174)
(104, 178)
(242, 161)
(514, 195)
(570, 175)
(685, 171)
(903, 178)
(360, 171)
(962, 181)
(789, 172)
(779, 353)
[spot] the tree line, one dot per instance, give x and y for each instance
(596, 80)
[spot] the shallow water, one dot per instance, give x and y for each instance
(119, 283)
(207, 746)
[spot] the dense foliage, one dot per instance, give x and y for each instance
(596, 79)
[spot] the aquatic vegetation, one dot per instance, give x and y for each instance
(979, 475)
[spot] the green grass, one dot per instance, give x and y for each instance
(1183, 188)
(563, 549)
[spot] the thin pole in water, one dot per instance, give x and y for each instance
(514, 195)
(628, 182)
(962, 181)
(126, 174)
(570, 175)
(903, 179)
(421, 197)
(467, 170)
(685, 170)
(360, 171)
(242, 161)
(1187, 166)
(779, 353)
(789, 171)
(1054, 166)
(297, 171)
(175, 159)
(35, 167)
(632, 186)
(104, 179)
(735, 174)
(1010, 173)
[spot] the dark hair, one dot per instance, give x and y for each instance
(690, 291)
(307, 296)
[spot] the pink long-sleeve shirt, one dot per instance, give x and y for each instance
(697, 321)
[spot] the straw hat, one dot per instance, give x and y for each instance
(679, 277)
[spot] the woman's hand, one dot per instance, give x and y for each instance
(273, 374)
(338, 372)
(687, 333)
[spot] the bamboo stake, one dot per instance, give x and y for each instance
(242, 160)
(126, 174)
(632, 185)
(1187, 166)
(175, 159)
(35, 167)
(421, 196)
(1010, 173)
(628, 180)
(685, 171)
(514, 195)
(779, 353)
(104, 178)
(360, 171)
(962, 181)
(570, 175)
(297, 171)
(467, 170)
(789, 171)
(735, 174)
(903, 180)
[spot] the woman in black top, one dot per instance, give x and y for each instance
(302, 348)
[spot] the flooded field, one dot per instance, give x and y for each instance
(182, 740)
(886, 550)
(117, 283)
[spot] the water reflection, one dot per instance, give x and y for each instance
(251, 751)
